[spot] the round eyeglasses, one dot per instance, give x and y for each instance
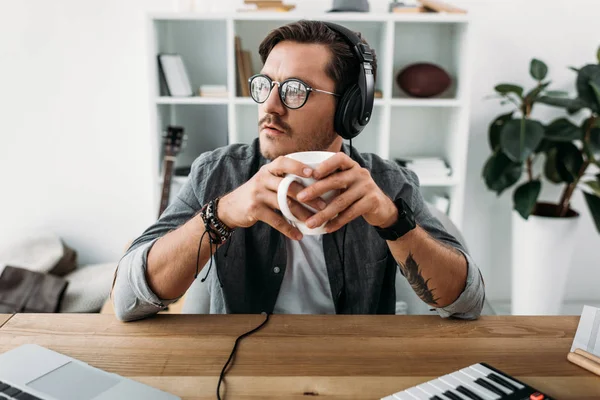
(292, 92)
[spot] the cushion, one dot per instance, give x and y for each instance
(36, 251)
(88, 289)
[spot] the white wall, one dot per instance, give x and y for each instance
(74, 148)
(507, 34)
(74, 144)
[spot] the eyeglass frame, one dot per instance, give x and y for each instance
(309, 89)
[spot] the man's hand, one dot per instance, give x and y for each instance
(256, 200)
(360, 195)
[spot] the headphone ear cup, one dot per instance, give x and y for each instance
(346, 115)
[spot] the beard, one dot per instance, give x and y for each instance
(291, 141)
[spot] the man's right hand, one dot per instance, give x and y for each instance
(256, 200)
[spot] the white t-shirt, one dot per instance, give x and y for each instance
(305, 287)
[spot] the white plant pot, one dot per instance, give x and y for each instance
(542, 250)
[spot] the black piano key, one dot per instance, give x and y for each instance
(498, 379)
(3, 398)
(451, 395)
(435, 398)
(468, 393)
(3, 386)
(489, 386)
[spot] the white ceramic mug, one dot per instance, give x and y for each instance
(311, 159)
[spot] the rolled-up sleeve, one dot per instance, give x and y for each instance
(470, 302)
(132, 297)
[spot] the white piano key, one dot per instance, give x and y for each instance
(417, 393)
(487, 371)
(429, 389)
(390, 397)
(403, 396)
(443, 386)
(469, 383)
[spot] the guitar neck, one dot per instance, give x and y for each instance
(169, 161)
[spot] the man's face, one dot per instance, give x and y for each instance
(309, 128)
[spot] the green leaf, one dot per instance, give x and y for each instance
(538, 69)
(556, 93)
(526, 196)
(545, 146)
(598, 54)
(550, 170)
(563, 130)
(594, 143)
(506, 88)
(595, 186)
(593, 203)
(520, 137)
(495, 129)
(574, 69)
(568, 161)
(570, 104)
(587, 74)
(596, 87)
(534, 93)
(500, 172)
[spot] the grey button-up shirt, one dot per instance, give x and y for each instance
(246, 265)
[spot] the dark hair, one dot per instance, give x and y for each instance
(344, 65)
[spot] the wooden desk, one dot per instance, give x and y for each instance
(299, 357)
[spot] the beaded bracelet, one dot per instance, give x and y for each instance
(218, 232)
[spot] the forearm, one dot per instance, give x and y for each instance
(436, 272)
(172, 260)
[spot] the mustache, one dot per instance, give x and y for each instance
(271, 119)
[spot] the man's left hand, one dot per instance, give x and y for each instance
(359, 195)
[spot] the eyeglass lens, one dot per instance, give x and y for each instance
(293, 93)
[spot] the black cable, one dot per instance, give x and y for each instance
(235, 345)
(198, 256)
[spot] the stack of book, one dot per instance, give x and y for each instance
(427, 168)
(244, 68)
(268, 5)
(213, 91)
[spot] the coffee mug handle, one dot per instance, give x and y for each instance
(282, 191)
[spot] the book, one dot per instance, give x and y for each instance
(426, 167)
(243, 89)
(213, 91)
(175, 75)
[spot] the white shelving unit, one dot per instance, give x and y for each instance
(401, 126)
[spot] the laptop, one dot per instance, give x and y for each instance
(32, 372)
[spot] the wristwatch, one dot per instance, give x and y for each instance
(404, 224)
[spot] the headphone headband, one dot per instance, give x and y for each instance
(366, 79)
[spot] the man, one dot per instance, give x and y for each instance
(262, 263)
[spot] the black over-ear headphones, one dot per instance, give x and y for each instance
(355, 107)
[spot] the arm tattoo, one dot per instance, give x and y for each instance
(411, 271)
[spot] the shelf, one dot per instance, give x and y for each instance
(273, 16)
(426, 102)
(438, 182)
(401, 126)
(191, 100)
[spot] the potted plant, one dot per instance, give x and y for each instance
(526, 152)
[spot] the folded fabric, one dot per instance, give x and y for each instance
(25, 291)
